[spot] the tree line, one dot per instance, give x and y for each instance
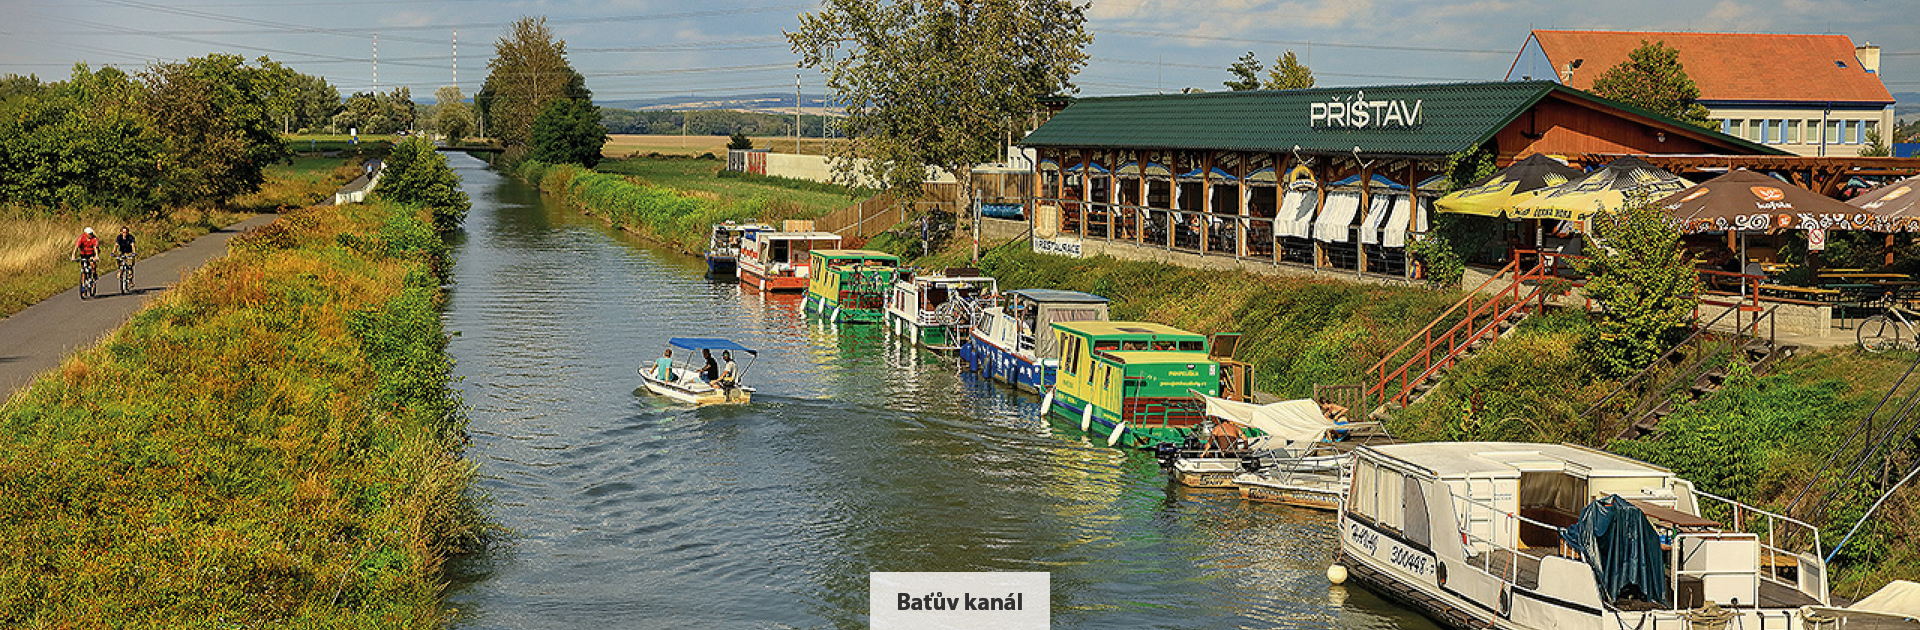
(715, 122)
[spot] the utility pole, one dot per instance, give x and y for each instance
(796, 113)
(376, 63)
(456, 58)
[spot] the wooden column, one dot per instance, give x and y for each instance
(1140, 221)
(1240, 251)
(1413, 213)
(1206, 198)
(1086, 189)
(1320, 174)
(1280, 167)
(1113, 192)
(1366, 208)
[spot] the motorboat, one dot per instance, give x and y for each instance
(937, 310)
(683, 383)
(724, 243)
(1012, 342)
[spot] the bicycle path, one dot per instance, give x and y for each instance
(39, 338)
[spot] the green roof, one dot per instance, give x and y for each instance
(1453, 117)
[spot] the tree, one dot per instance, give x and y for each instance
(1652, 78)
(568, 131)
(416, 174)
(1288, 74)
(739, 142)
(218, 135)
(314, 101)
(373, 113)
(1647, 289)
(452, 119)
(81, 143)
(528, 69)
(936, 83)
(1246, 73)
(1875, 146)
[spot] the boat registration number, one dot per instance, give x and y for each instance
(1383, 548)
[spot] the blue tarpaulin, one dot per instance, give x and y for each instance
(1622, 547)
(704, 343)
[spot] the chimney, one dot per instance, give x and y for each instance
(1869, 57)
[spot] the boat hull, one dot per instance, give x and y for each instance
(1102, 428)
(1313, 493)
(755, 278)
(834, 313)
(722, 265)
(701, 395)
(1022, 371)
(1206, 472)
(929, 337)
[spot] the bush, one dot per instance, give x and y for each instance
(416, 174)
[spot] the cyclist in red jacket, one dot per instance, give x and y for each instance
(88, 248)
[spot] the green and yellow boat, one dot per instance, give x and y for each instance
(1131, 382)
(850, 285)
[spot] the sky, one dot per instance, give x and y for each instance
(644, 49)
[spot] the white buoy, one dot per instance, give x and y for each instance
(1046, 403)
(1118, 430)
(1337, 574)
(1086, 417)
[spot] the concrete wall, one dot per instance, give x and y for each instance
(819, 168)
(1744, 122)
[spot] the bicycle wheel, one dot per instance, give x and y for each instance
(126, 280)
(1878, 334)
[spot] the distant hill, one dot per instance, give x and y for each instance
(769, 103)
(1907, 104)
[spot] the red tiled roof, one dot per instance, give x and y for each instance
(1730, 66)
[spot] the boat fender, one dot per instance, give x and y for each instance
(1046, 403)
(1086, 417)
(1440, 572)
(1118, 430)
(1506, 601)
(1337, 574)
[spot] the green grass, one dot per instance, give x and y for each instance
(702, 178)
(273, 444)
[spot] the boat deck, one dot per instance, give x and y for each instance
(1773, 594)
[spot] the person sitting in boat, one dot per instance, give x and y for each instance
(727, 373)
(663, 367)
(709, 373)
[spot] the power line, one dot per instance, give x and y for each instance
(1284, 42)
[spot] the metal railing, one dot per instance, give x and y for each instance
(1650, 399)
(1438, 350)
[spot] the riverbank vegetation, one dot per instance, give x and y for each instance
(273, 443)
(676, 201)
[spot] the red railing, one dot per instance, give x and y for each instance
(1438, 350)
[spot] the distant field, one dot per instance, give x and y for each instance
(627, 145)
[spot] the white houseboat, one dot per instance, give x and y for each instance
(778, 261)
(1539, 536)
(723, 246)
(938, 309)
(1014, 342)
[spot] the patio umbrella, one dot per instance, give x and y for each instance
(1607, 189)
(1896, 206)
(1746, 201)
(1508, 187)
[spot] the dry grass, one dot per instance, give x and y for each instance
(628, 145)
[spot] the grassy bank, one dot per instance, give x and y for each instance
(676, 201)
(35, 244)
(272, 444)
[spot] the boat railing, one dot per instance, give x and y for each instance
(1787, 550)
(1485, 548)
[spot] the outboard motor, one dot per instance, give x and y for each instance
(1166, 453)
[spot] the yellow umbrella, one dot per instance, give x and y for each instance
(1608, 189)
(1508, 187)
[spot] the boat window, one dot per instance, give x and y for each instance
(1137, 344)
(1163, 345)
(1363, 492)
(1418, 529)
(1106, 345)
(778, 252)
(986, 326)
(1391, 512)
(1192, 346)
(1070, 348)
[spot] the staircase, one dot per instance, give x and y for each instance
(1411, 370)
(1685, 375)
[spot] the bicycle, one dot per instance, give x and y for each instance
(87, 276)
(1888, 330)
(126, 273)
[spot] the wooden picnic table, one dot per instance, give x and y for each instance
(1804, 293)
(1865, 276)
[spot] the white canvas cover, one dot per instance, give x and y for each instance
(1396, 228)
(1296, 213)
(1296, 422)
(1378, 209)
(1901, 597)
(1332, 225)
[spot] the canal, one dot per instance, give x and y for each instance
(857, 455)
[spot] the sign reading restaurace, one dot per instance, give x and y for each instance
(959, 601)
(1357, 112)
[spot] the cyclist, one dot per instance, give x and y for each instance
(86, 250)
(124, 242)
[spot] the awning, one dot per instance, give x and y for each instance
(1264, 177)
(1377, 211)
(1291, 422)
(1396, 231)
(1217, 175)
(709, 343)
(1296, 213)
(1130, 169)
(1157, 172)
(1378, 182)
(1049, 164)
(1336, 217)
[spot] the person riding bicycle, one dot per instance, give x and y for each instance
(87, 248)
(125, 241)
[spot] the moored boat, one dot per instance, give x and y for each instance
(1261, 443)
(1013, 342)
(680, 377)
(850, 285)
(779, 261)
(1129, 381)
(724, 243)
(938, 309)
(1537, 536)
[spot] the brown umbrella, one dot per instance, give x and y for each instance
(1745, 201)
(1897, 205)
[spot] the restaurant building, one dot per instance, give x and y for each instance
(1813, 95)
(1322, 180)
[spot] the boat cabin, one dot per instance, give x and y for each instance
(1481, 529)
(938, 309)
(850, 284)
(778, 261)
(724, 242)
(1137, 374)
(1014, 343)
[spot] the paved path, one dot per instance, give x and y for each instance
(38, 338)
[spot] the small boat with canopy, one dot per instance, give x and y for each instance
(682, 380)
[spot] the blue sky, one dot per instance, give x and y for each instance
(636, 49)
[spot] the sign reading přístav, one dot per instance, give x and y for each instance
(1358, 112)
(960, 601)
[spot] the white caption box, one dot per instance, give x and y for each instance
(960, 601)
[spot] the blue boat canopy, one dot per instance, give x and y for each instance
(706, 343)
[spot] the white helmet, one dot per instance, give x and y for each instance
(89, 230)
